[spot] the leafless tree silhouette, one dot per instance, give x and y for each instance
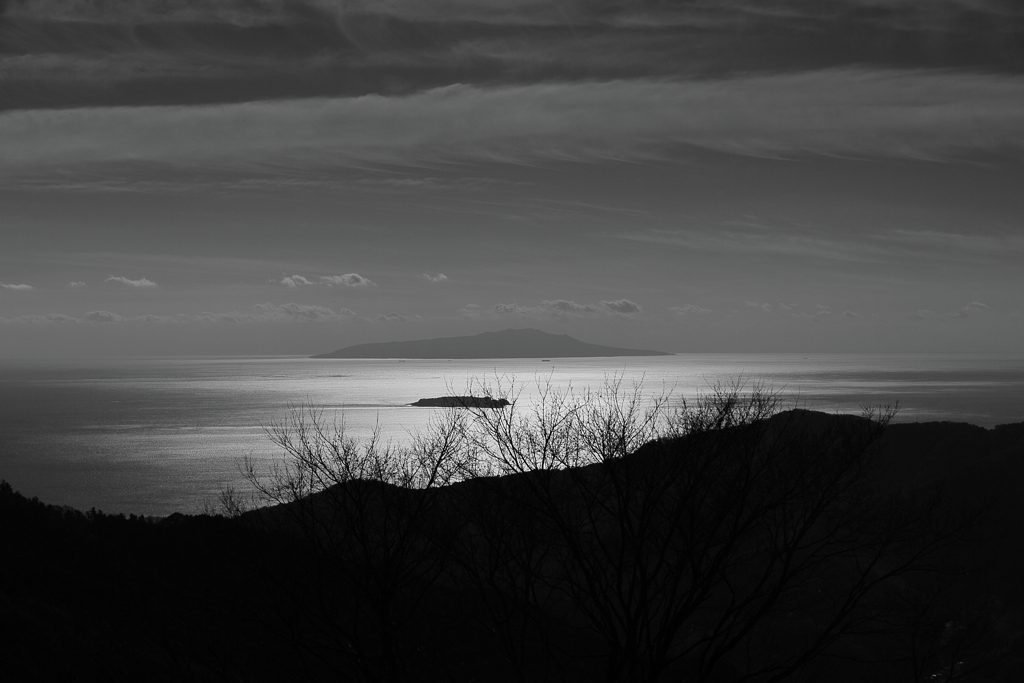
(715, 539)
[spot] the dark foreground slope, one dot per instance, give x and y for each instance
(88, 596)
(511, 343)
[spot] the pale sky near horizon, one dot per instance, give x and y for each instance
(294, 176)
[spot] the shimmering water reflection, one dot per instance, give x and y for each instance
(159, 435)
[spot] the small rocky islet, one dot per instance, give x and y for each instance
(461, 402)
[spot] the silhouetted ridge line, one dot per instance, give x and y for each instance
(510, 343)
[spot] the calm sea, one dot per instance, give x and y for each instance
(155, 436)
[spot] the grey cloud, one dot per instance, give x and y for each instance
(149, 318)
(145, 11)
(49, 318)
(512, 309)
(300, 312)
(141, 282)
(288, 312)
(971, 307)
(391, 318)
(76, 285)
(767, 308)
(688, 309)
(296, 281)
(348, 280)
(622, 306)
(103, 317)
(233, 317)
(635, 13)
(850, 314)
(558, 308)
(192, 52)
(893, 246)
(570, 307)
(439, 277)
(262, 313)
(841, 111)
(16, 288)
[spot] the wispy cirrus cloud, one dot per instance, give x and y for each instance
(821, 243)
(140, 283)
(839, 111)
(16, 288)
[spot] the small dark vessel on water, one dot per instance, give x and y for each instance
(461, 402)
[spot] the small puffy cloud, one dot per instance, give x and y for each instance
(141, 282)
(304, 312)
(622, 306)
(688, 309)
(232, 317)
(149, 318)
(439, 277)
(296, 281)
(972, 307)
(268, 312)
(103, 317)
(16, 288)
(568, 307)
(767, 308)
(823, 307)
(850, 314)
(76, 285)
(348, 280)
(49, 318)
(391, 318)
(788, 307)
(560, 308)
(512, 309)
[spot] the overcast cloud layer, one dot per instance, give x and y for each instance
(61, 53)
(679, 174)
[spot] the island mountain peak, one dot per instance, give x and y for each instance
(509, 343)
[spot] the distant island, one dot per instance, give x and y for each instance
(511, 343)
(461, 402)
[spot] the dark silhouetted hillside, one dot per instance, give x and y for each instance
(90, 596)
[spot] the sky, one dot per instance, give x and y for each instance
(294, 176)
